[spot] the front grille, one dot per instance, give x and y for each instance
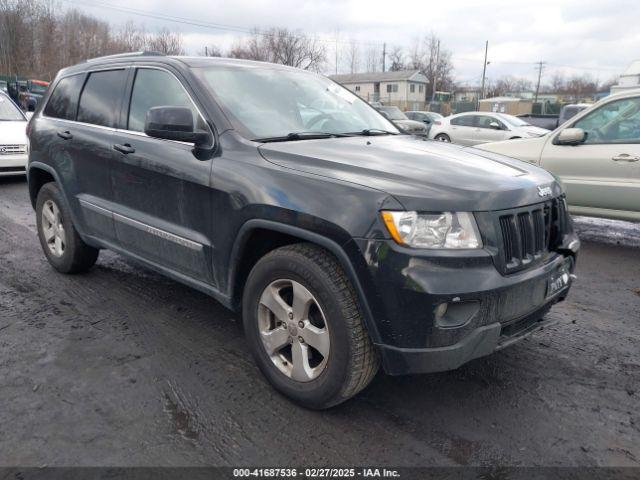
(12, 149)
(529, 234)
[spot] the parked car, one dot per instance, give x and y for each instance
(472, 128)
(27, 93)
(596, 155)
(13, 138)
(425, 117)
(551, 122)
(400, 119)
(345, 243)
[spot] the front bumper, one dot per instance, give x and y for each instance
(490, 310)
(13, 164)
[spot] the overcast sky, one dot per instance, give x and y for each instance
(572, 36)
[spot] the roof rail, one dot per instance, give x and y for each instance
(126, 55)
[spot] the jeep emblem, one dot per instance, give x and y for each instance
(544, 191)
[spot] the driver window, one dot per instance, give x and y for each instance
(485, 121)
(615, 122)
(157, 88)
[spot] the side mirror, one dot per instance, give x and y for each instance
(174, 123)
(495, 126)
(571, 136)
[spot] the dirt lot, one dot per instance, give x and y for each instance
(124, 367)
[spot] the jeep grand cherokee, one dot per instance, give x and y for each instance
(344, 243)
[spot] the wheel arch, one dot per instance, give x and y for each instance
(274, 235)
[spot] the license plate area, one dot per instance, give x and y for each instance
(559, 280)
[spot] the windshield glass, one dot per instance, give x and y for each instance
(8, 111)
(265, 102)
(513, 121)
(394, 113)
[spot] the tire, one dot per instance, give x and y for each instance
(65, 250)
(442, 137)
(351, 362)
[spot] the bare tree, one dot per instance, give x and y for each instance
(211, 51)
(372, 59)
(279, 45)
(166, 42)
(396, 57)
(353, 56)
(433, 62)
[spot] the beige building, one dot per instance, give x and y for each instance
(509, 105)
(406, 89)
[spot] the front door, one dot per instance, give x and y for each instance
(604, 171)
(162, 194)
(485, 133)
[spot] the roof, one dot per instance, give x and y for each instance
(369, 77)
(633, 69)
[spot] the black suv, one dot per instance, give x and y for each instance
(344, 243)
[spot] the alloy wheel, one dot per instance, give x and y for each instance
(293, 330)
(53, 228)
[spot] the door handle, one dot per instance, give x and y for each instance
(625, 157)
(126, 148)
(65, 134)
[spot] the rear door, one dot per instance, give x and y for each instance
(604, 171)
(462, 129)
(82, 136)
(162, 193)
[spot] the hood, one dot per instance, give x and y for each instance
(13, 133)
(422, 175)
(411, 125)
(526, 149)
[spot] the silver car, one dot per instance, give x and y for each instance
(472, 128)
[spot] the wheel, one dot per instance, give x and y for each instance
(442, 137)
(60, 242)
(305, 329)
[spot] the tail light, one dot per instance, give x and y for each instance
(437, 122)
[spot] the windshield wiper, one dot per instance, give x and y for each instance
(372, 131)
(300, 136)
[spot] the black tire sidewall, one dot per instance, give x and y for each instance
(321, 391)
(65, 262)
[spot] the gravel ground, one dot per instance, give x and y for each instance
(123, 367)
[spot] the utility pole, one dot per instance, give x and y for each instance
(384, 56)
(435, 72)
(484, 73)
(540, 66)
(206, 51)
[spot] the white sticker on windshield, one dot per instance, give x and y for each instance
(343, 93)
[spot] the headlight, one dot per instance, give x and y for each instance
(433, 230)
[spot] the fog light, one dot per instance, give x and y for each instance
(457, 314)
(440, 311)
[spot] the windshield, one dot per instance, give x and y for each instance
(394, 113)
(514, 121)
(8, 111)
(265, 102)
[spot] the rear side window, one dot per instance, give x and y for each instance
(100, 97)
(64, 99)
(465, 121)
(156, 88)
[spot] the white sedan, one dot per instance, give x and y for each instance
(472, 128)
(13, 138)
